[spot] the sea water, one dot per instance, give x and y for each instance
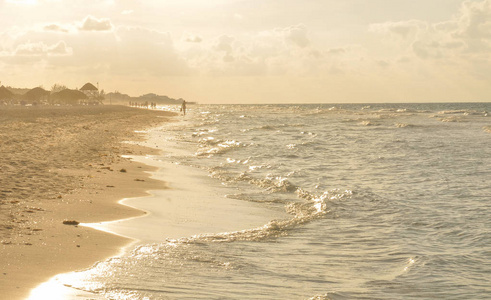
(381, 201)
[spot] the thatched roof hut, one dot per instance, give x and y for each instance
(90, 90)
(68, 96)
(37, 94)
(93, 94)
(89, 87)
(5, 94)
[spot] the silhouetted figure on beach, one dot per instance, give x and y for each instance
(183, 107)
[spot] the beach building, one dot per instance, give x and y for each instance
(92, 93)
(37, 95)
(68, 97)
(6, 96)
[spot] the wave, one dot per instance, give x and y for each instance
(327, 111)
(457, 111)
(361, 121)
(403, 125)
(451, 119)
(219, 146)
(257, 198)
(271, 183)
(201, 132)
(404, 111)
(275, 184)
(209, 141)
(270, 127)
(303, 213)
(464, 112)
(332, 195)
(367, 123)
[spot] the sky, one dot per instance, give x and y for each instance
(253, 51)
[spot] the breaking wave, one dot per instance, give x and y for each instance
(217, 146)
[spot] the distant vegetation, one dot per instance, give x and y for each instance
(117, 97)
(59, 94)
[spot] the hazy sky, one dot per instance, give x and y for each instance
(250, 51)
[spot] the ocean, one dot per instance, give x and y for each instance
(320, 201)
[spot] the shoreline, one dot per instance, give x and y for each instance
(84, 183)
(191, 204)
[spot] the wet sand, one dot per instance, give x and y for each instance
(192, 204)
(65, 164)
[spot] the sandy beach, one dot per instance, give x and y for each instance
(65, 164)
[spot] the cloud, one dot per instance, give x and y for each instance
(114, 51)
(454, 46)
(30, 2)
(89, 23)
(92, 24)
(297, 35)
(459, 46)
(22, 2)
(467, 34)
(191, 38)
(127, 12)
(474, 26)
(383, 63)
(476, 20)
(277, 52)
(427, 50)
(141, 50)
(224, 43)
(402, 29)
(336, 51)
(31, 49)
(60, 49)
(55, 27)
(287, 39)
(41, 49)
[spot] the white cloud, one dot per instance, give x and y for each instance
(476, 20)
(427, 50)
(120, 51)
(22, 2)
(41, 49)
(89, 23)
(474, 26)
(60, 49)
(145, 51)
(336, 51)
(93, 24)
(403, 29)
(461, 37)
(276, 52)
(224, 43)
(31, 49)
(383, 63)
(55, 27)
(192, 38)
(297, 35)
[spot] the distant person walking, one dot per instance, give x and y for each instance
(183, 107)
